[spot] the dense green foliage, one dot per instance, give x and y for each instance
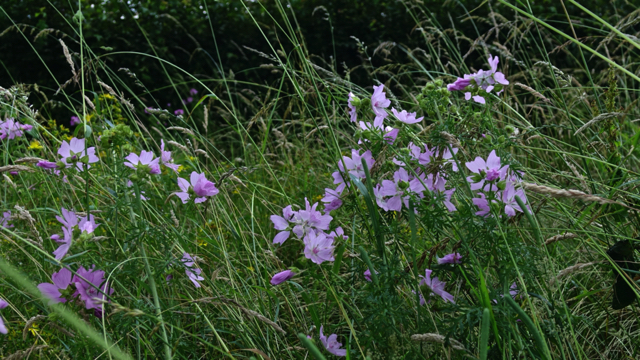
(269, 125)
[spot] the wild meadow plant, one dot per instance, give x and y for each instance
(452, 217)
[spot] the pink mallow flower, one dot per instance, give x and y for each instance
(11, 129)
(353, 112)
(192, 271)
(73, 152)
(486, 171)
(47, 164)
(144, 163)
(178, 112)
(200, 187)
(88, 224)
(61, 281)
(379, 103)
(63, 249)
(142, 197)
(406, 117)
(3, 328)
(331, 199)
(436, 286)
(352, 165)
(318, 247)
(74, 121)
(367, 275)
(90, 286)
(509, 199)
(485, 80)
(399, 189)
(282, 223)
(331, 344)
(4, 220)
(193, 92)
(309, 220)
(166, 159)
(453, 258)
(281, 277)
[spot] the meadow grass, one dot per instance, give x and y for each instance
(565, 124)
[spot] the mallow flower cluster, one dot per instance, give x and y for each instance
(496, 185)
(11, 129)
(476, 86)
(89, 286)
(72, 154)
(70, 222)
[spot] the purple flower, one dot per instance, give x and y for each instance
(309, 220)
(353, 165)
(353, 112)
(379, 103)
(438, 188)
(47, 164)
(485, 80)
(63, 249)
(281, 277)
(189, 100)
(483, 204)
(200, 187)
(454, 258)
(513, 291)
(337, 233)
(73, 152)
(282, 223)
(509, 199)
(382, 203)
(74, 121)
(459, 85)
(166, 159)
(87, 224)
(400, 187)
(4, 221)
(331, 199)
(405, 117)
(145, 162)
(61, 281)
(193, 92)
(390, 135)
(367, 275)
(69, 219)
(12, 129)
(90, 285)
(489, 170)
(331, 344)
(318, 247)
(3, 328)
(436, 286)
(178, 112)
(192, 271)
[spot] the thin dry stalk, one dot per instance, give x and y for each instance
(573, 194)
(438, 339)
(10, 168)
(596, 119)
(29, 160)
(557, 238)
(570, 270)
(30, 322)
(23, 214)
(203, 153)
(533, 91)
(67, 56)
(246, 311)
(23, 354)
(9, 181)
(452, 140)
(181, 129)
(179, 146)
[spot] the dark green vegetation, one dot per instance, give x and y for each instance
(269, 125)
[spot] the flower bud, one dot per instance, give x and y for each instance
(355, 101)
(366, 102)
(403, 185)
(438, 83)
(430, 86)
(502, 184)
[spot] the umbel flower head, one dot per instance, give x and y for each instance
(199, 187)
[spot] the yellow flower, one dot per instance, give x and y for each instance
(201, 242)
(317, 198)
(34, 329)
(180, 168)
(250, 268)
(35, 144)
